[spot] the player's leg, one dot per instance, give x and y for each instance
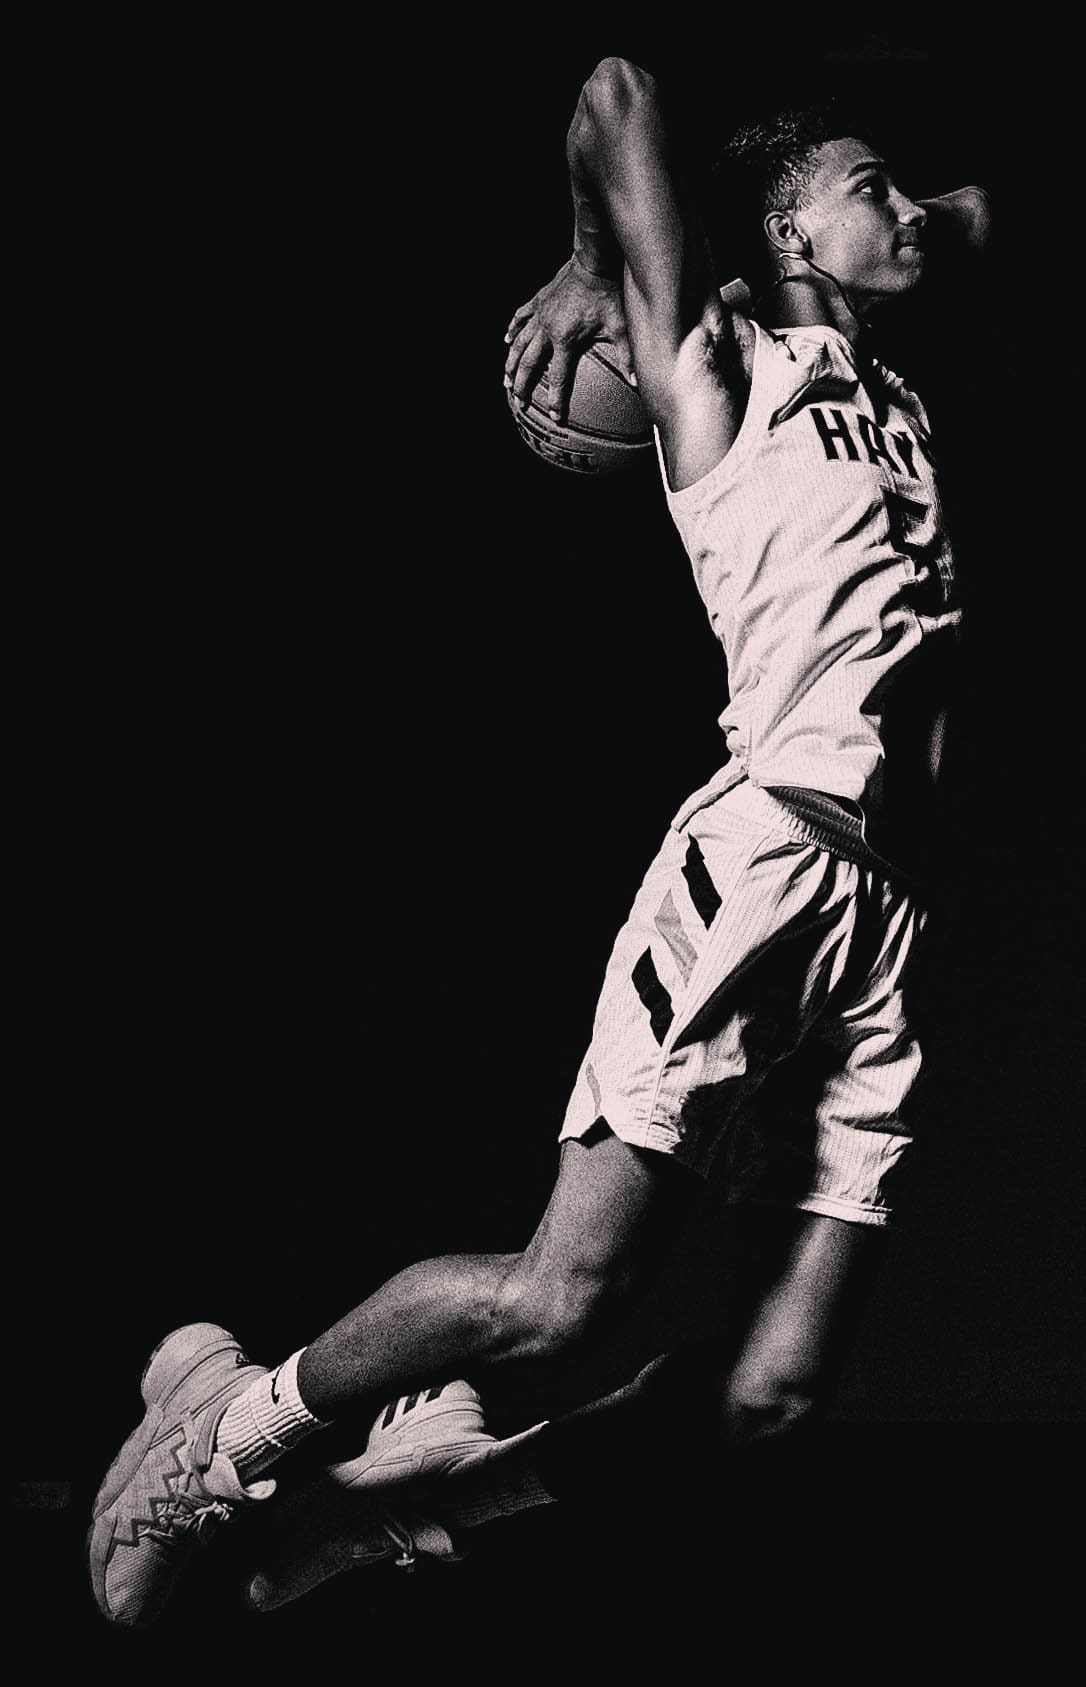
(214, 1422)
(806, 1268)
(534, 1313)
(802, 1275)
(593, 1456)
(786, 1371)
(329, 1524)
(691, 1013)
(853, 1080)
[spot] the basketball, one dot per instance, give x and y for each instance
(605, 429)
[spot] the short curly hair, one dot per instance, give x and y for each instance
(766, 165)
(778, 157)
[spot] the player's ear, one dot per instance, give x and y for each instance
(785, 235)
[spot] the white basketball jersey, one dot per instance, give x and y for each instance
(819, 550)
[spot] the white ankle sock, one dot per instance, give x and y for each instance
(261, 1424)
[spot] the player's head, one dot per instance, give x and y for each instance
(828, 203)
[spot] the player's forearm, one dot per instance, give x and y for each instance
(594, 243)
(617, 156)
(960, 220)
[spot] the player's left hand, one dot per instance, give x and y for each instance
(563, 319)
(962, 218)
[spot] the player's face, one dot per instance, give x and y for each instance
(861, 228)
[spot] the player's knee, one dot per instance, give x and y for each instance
(758, 1408)
(545, 1316)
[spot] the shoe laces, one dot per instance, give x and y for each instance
(401, 1537)
(185, 1513)
(421, 1536)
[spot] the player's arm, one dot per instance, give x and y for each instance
(958, 223)
(583, 303)
(634, 221)
(624, 171)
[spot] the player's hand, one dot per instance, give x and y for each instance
(963, 218)
(564, 318)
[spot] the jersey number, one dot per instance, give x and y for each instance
(930, 590)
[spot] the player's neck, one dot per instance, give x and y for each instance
(802, 301)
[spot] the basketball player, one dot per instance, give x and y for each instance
(773, 933)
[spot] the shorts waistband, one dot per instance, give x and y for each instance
(809, 817)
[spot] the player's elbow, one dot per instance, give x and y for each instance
(617, 97)
(616, 91)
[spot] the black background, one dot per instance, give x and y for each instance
(350, 727)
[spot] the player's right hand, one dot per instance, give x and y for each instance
(562, 320)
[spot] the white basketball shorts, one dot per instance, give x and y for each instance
(760, 960)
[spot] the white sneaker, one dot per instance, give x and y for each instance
(432, 1434)
(343, 1521)
(321, 1530)
(167, 1491)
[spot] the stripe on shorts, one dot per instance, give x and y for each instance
(703, 892)
(653, 995)
(670, 927)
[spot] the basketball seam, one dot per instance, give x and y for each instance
(620, 439)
